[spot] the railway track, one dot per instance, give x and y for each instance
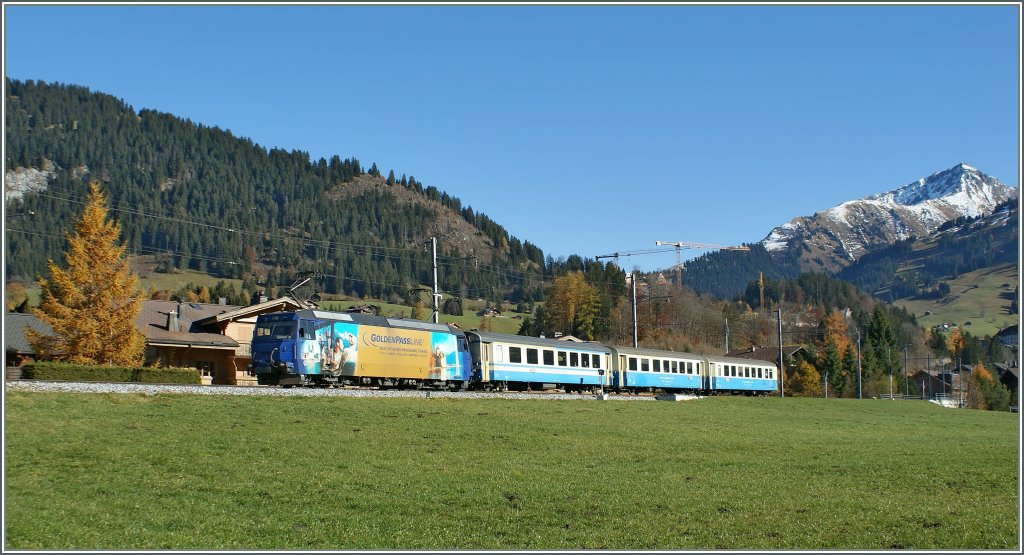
(265, 391)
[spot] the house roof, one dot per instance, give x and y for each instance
(239, 312)
(14, 331)
(1007, 331)
(153, 322)
(768, 354)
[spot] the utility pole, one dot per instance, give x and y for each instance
(906, 371)
(436, 296)
(632, 281)
(782, 369)
(888, 360)
(760, 283)
(858, 365)
(726, 336)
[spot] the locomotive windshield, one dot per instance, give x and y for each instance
(275, 330)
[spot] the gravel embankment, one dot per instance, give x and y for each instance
(154, 389)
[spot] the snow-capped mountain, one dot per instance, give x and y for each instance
(832, 239)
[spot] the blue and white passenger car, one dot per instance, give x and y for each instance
(648, 369)
(516, 362)
(741, 375)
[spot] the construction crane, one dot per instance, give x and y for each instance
(680, 245)
(616, 255)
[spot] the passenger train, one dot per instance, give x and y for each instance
(316, 347)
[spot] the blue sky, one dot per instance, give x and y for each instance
(583, 129)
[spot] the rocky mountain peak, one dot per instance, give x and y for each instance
(831, 239)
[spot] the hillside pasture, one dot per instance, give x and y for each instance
(164, 471)
(508, 322)
(981, 297)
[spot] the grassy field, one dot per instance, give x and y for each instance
(977, 297)
(92, 471)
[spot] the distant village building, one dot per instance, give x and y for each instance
(371, 309)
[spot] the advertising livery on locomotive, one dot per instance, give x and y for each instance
(316, 347)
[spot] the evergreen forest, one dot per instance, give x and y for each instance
(198, 197)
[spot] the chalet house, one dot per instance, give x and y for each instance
(931, 384)
(1009, 374)
(215, 338)
(17, 350)
(1009, 336)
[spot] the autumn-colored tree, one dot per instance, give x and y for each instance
(91, 305)
(837, 331)
(573, 304)
(16, 294)
(419, 312)
(808, 380)
(994, 395)
(486, 323)
(955, 343)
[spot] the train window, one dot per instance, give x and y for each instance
(562, 359)
(515, 354)
(585, 360)
(645, 365)
(499, 353)
(657, 365)
(734, 373)
(597, 361)
(574, 360)
(675, 366)
(746, 371)
(689, 368)
(306, 329)
(549, 358)
(665, 365)
(531, 356)
(632, 363)
(276, 330)
(759, 370)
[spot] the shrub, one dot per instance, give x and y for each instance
(63, 371)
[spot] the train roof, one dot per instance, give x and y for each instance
(655, 352)
(370, 320)
(490, 337)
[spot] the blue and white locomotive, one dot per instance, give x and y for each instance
(315, 347)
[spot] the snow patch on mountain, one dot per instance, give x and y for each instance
(19, 181)
(916, 209)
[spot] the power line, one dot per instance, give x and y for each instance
(519, 276)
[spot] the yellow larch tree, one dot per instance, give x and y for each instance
(573, 304)
(92, 304)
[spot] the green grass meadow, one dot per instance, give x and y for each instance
(105, 471)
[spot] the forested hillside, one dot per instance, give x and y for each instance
(922, 267)
(202, 198)
(724, 274)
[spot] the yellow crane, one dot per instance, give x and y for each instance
(680, 245)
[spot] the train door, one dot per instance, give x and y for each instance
(466, 370)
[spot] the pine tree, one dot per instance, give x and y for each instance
(92, 305)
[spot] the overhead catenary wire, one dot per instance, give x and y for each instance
(507, 273)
